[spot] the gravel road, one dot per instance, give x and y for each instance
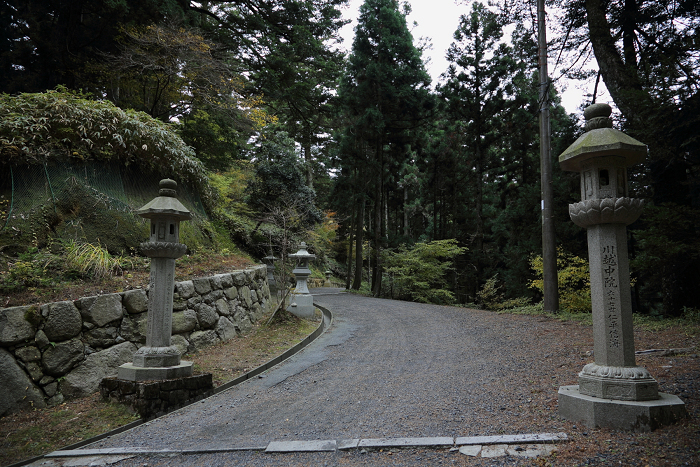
(384, 369)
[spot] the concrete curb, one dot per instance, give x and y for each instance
(326, 323)
(336, 445)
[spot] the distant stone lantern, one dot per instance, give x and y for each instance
(270, 267)
(327, 282)
(613, 391)
(159, 359)
(302, 301)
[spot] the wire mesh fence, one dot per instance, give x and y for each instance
(70, 198)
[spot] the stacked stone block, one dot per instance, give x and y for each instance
(64, 349)
(152, 398)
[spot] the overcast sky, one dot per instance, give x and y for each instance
(438, 20)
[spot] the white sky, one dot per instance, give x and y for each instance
(438, 20)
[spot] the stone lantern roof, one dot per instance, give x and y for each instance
(302, 254)
(601, 139)
(165, 204)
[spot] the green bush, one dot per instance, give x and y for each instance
(64, 125)
(31, 269)
(573, 281)
(491, 298)
(490, 294)
(418, 273)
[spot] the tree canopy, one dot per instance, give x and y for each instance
(257, 96)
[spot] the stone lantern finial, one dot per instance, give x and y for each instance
(597, 116)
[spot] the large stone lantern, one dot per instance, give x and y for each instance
(159, 359)
(302, 304)
(613, 391)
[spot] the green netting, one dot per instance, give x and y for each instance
(87, 201)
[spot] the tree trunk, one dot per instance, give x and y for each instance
(405, 210)
(353, 221)
(359, 224)
(385, 226)
(308, 160)
(478, 170)
(621, 79)
(377, 272)
(435, 202)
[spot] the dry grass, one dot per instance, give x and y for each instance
(31, 433)
(672, 446)
(228, 360)
(134, 275)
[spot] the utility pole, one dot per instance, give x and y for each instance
(549, 250)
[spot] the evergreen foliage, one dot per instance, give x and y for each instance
(280, 179)
(63, 125)
(419, 273)
(385, 98)
(573, 281)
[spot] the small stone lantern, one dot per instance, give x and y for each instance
(302, 301)
(613, 391)
(327, 283)
(159, 359)
(270, 266)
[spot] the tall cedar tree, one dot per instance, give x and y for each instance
(478, 92)
(385, 96)
(299, 75)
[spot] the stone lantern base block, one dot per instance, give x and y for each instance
(131, 372)
(158, 357)
(302, 306)
(614, 388)
(638, 416)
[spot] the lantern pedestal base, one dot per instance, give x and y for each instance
(618, 388)
(130, 372)
(302, 306)
(639, 416)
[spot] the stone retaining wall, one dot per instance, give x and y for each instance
(64, 349)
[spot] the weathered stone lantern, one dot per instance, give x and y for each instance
(159, 359)
(270, 266)
(327, 282)
(302, 301)
(613, 391)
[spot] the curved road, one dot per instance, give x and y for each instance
(384, 369)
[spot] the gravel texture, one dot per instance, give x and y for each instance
(387, 369)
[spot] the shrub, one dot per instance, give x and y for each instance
(573, 281)
(31, 269)
(491, 298)
(418, 273)
(63, 125)
(89, 259)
